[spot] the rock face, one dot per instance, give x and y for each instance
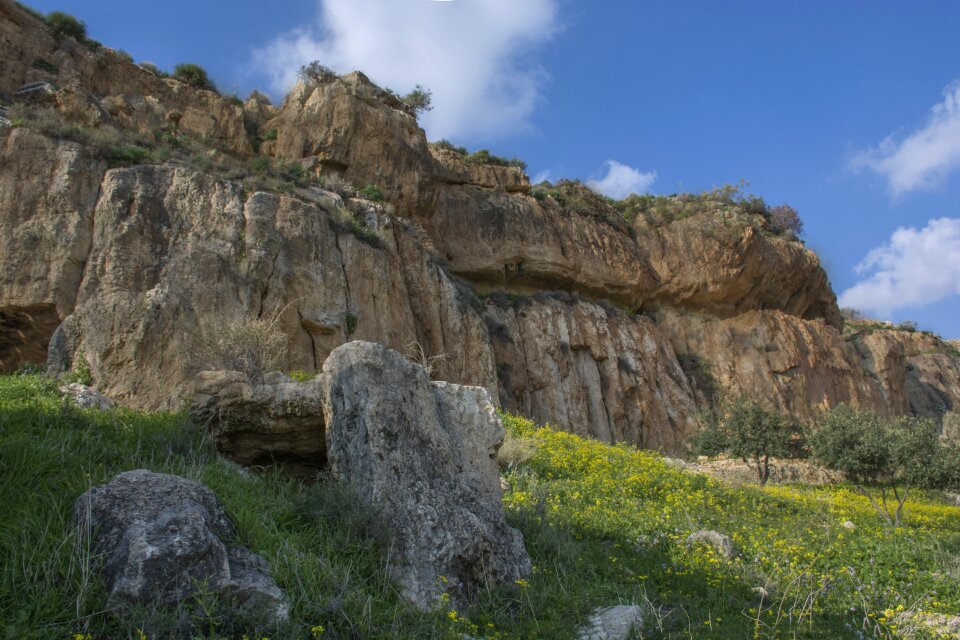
(797, 365)
(120, 267)
(593, 370)
(423, 454)
(131, 96)
(919, 372)
(278, 420)
(717, 259)
(160, 536)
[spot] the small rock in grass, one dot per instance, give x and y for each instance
(85, 397)
(612, 623)
(723, 544)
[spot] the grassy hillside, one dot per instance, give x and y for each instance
(603, 524)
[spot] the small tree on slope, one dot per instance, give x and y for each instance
(751, 432)
(885, 459)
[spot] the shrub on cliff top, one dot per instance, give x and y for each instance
(64, 25)
(314, 72)
(194, 75)
(419, 100)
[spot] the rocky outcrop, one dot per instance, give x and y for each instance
(274, 421)
(170, 250)
(121, 267)
(798, 366)
(158, 538)
(424, 455)
(356, 131)
(502, 240)
(718, 259)
(919, 372)
(48, 191)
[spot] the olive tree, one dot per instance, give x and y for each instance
(750, 431)
(885, 459)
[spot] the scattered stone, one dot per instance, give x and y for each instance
(424, 454)
(612, 623)
(720, 542)
(848, 525)
(275, 421)
(160, 537)
(504, 484)
(85, 397)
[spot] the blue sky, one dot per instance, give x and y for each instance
(849, 111)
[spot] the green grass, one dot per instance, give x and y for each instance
(604, 525)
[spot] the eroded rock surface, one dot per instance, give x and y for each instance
(799, 366)
(276, 420)
(423, 454)
(161, 537)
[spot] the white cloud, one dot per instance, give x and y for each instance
(622, 180)
(925, 157)
(915, 268)
(473, 55)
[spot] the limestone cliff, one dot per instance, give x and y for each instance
(618, 327)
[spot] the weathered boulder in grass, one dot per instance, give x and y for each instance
(159, 538)
(274, 421)
(85, 397)
(423, 454)
(721, 543)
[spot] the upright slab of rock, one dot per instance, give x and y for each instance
(423, 454)
(160, 538)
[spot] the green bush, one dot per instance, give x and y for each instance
(885, 459)
(64, 25)
(154, 69)
(194, 75)
(483, 156)
(316, 73)
(124, 55)
(419, 100)
(449, 146)
(126, 155)
(372, 192)
(44, 65)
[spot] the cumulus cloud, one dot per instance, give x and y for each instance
(916, 267)
(925, 157)
(622, 180)
(473, 55)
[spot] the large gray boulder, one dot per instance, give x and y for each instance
(423, 454)
(276, 420)
(161, 538)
